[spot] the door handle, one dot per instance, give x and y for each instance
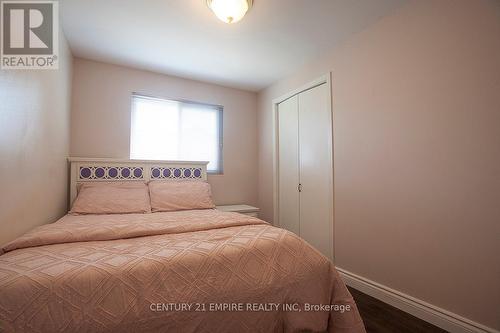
(299, 187)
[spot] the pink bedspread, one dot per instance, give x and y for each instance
(189, 271)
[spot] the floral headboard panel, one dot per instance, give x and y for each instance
(85, 170)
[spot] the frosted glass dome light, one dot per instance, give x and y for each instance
(230, 11)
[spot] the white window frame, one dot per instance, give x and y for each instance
(219, 108)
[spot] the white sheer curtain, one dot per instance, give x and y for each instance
(172, 130)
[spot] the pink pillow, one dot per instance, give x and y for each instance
(180, 195)
(112, 198)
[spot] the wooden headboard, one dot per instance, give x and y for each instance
(84, 170)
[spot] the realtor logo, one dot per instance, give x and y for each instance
(29, 34)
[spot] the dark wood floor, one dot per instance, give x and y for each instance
(380, 317)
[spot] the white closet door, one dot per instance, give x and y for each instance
(315, 146)
(288, 164)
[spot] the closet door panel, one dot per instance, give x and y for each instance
(288, 165)
(315, 147)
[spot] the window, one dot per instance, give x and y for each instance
(174, 130)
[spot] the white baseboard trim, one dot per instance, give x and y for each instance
(444, 319)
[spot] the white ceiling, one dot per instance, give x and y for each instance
(184, 38)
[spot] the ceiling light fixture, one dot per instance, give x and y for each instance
(230, 11)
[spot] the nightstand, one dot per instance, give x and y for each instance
(242, 209)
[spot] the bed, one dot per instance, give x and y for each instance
(198, 270)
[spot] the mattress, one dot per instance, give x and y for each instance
(184, 271)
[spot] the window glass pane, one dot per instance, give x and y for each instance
(171, 130)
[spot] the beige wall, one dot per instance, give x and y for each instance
(100, 124)
(34, 145)
(417, 153)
